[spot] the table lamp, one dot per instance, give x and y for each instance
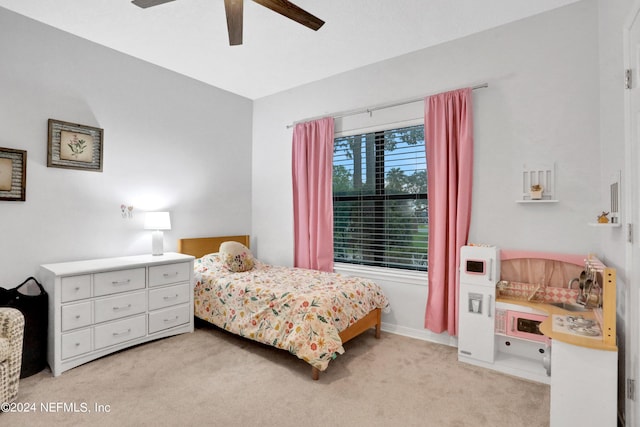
(157, 221)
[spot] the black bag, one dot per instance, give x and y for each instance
(35, 309)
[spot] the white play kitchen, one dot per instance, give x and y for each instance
(546, 317)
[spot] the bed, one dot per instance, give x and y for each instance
(309, 313)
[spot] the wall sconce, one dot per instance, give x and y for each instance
(157, 221)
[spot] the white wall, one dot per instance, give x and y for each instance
(541, 106)
(170, 143)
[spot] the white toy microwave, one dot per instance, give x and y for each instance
(479, 265)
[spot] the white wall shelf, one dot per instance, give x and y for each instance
(614, 208)
(543, 175)
(533, 202)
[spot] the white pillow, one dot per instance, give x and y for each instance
(236, 257)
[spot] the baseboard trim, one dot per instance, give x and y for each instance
(421, 334)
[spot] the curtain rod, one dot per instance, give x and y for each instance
(372, 109)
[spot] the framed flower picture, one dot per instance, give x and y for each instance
(74, 146)
(13, 174)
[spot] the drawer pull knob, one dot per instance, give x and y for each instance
(168, 297)
(77, 316)
(77, 288)
(77, 344)
(115, 334)
(171, 320)
(170, 274)
(121, 282)
(126, 307)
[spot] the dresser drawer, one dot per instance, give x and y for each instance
(73, 288)
(169, 273)
(118, 281)
(120, 306)
(168, 296)
(120, 331)
(76, 343)
(76, 315)
(168, 318)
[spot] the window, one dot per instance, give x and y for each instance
(380, 199)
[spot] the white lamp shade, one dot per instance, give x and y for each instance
(157, 221)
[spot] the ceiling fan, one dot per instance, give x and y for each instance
(233, 9)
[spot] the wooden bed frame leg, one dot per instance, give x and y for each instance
(315, 373)
(378, 323)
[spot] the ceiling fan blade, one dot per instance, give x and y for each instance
(234, 10)
(291, 11)
(149, 3)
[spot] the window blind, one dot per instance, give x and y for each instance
(380, 199)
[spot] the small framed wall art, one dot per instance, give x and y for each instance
(74, 146)
(13, 174)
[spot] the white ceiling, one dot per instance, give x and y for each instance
(190, 36)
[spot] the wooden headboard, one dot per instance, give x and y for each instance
(200, 246)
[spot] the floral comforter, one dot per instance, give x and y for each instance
(298, 310)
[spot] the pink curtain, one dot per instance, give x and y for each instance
(313, 194)
(449, 144)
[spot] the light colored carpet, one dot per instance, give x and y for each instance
(213, 378)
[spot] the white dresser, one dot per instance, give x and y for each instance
(100, 306)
